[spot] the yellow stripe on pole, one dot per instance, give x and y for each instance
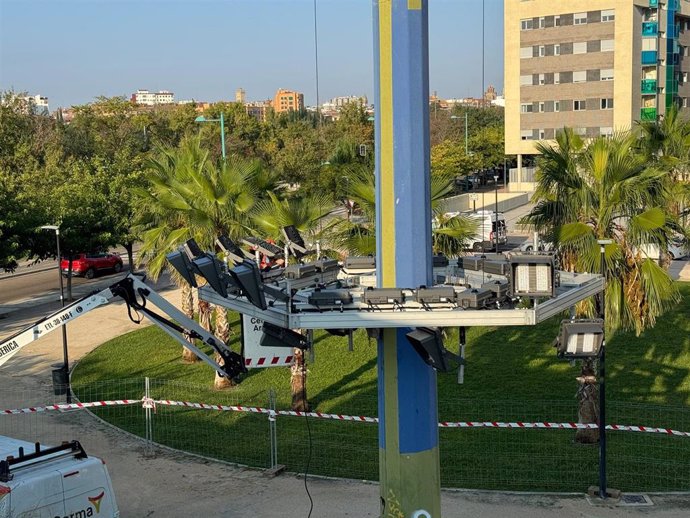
(386, 175)
(414, 5)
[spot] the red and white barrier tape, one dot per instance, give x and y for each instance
(70, 406)
(151, 403)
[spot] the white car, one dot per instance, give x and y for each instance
(528, 246)
(677, 249)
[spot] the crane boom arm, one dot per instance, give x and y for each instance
(136, 295)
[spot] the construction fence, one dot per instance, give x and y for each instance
(501, 445)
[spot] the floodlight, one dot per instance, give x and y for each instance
(499, 288)
(326, 265)
(383, 296)
(475, 299)
(365, 262)
(322, 297)
(437, 294)
(496, 267)
(580, 338)
(192, 249)
(276, 292)
(294, 241)
(266, 248)
(299, 271)
(276, 336)
(471, 262)
(248, 279)
(532, 276)
(178, 259)
(233, 251)
(211, 269)
(233, 363)
(428, 342)
(440, 261)
(339, 332)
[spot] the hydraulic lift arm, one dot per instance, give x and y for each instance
(136, 295)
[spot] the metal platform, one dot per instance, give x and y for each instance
(573, 288)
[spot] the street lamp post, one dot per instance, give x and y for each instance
(602, 392)
(201, 118)
(347, 199)
(496, 211)
(65, 356)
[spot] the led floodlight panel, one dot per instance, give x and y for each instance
(533, 276)
(275, 336)
(181, 263)
(248, 279)
(211, 269)
(428, 342)
(294, 239)
(229, 247)
(192, 249)
(581, 338)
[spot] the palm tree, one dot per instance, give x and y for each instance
(305, 214)
(606, 189)
(204, 200)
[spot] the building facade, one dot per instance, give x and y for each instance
(153, 98)
(597, 66)
(240, 95)
(288, 100)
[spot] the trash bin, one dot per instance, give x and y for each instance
(60, 379)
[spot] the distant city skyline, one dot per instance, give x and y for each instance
(73, 51)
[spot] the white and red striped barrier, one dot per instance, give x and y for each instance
(151, 403)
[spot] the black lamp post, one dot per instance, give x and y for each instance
(65, 358)
(602, 392)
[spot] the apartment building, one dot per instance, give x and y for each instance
(595, 66)
(152, 98)
(287, 100)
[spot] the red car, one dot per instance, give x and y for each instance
(86, 265)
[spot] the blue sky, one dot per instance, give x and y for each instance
(75, 50)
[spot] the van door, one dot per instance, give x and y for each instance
(37, 495)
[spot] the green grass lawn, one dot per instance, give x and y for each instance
(511, 374)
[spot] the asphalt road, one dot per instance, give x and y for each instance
(39, 280)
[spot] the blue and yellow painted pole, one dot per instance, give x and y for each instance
(408, 410)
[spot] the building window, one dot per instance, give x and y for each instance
(542, 79)
(579, 76)
(607, 104)
(525, 52)
(557, 106)
(685, 102)
(557, 49)
(542, 22)
(526, 108)
(557, 21)
(542, 51)
(527, 25)
(648, 43)
(685, 77)
(580, 47)
(608, 15)
(556, 78)
(606, 131)
(526, 134)
(526, 80)
(580, 131)
(579, 105)
(579, 18)
(542, 134)
(607, 45)
(541, 107)
(607, 74)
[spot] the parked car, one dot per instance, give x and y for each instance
(677, 249)
(87, 265)
(528, 246)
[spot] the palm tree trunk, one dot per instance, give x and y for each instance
(222, 332)
(188, 309)
(298, 382)
(588, 403)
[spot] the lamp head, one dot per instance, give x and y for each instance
(200, 118)
(50, 227)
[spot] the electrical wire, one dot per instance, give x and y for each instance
(306, 420)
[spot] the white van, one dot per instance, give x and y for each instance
(489, 223)
(53, 482)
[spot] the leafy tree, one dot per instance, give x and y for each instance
(448, 159)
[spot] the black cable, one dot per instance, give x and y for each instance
(306, 419)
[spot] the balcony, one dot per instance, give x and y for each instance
(648, 114)
(650, 28)
(649, 86)
(649, 57)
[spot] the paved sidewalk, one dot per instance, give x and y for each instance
(178, 485)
